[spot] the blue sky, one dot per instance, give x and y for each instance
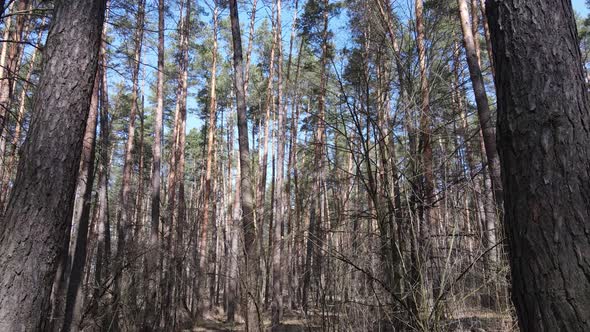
(339, 29)
(580, 7)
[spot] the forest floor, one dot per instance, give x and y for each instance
(292, 322)
(298, 322)
(481, 320)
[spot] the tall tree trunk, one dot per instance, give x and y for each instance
(543, 112)
(425, 119)
(316, 220)
(40, 206)
(425, 159)
(481, 99)
(250, 300)
(181, 221)
(465, 133)
(173, 179)
(263, 153)
(103, 252)
(492, 178)
(138, 215)
(277, 295)
(154, 238)
(81, 217)
(125, 211)
(271, 220)
(232, 289)
(176, 204)
(290, 164)
(209, 165)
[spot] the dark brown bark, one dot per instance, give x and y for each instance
(250, 301)
(40, 207)
(543, 135)
(81, 218)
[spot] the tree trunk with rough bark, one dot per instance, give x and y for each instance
(40, 207)
(544, 147)
(81, 218)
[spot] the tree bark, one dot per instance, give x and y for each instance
(174, 179)
(154, 238)
(425, 121)
(263, 153)
(81, 218)
(543, 135)
(427, 192)
(103, 251)
(277, 294)
(181, 221)
(40, 207)
(209, 164)
(232, 287)
(250, 300)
